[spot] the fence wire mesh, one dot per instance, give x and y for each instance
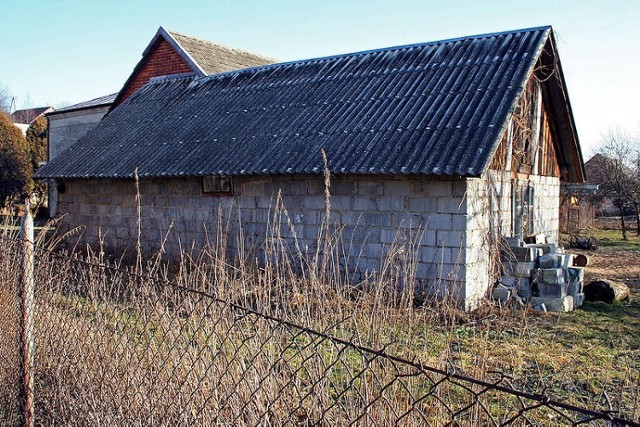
(118, 348)
(10, 373)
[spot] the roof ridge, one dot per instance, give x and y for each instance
(376, 50)
(220, 45)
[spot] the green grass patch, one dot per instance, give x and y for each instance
(609, 239)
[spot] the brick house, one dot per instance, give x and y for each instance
(455, 142)
(168, 54)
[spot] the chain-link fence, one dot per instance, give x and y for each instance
(113, 347)
(10, 340)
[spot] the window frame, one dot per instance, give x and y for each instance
(216, 192)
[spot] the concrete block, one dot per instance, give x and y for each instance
(574, 288)
(389, 235)
(406, 220)
(439, 222)
(438, 188)
(339, 203)
(508, 281)
(549, 248)
(509, 268)
(376, 219)
(451, 205)
(429, 238)
(501, 293)
(374, 251)
(423, 204)
(365, 203)
(548, 261)
(450, 238)
(554, 304)
(429, 255)
(295, 188)
(576, 274)
(459, 221)
(246, 202)
(367, 188)
(523, 283)
(539, 307)
(397, 188)
(547, 290)
(459, 188)
(315, 188)
(343, 188)
(553, 275)
(518, 254)
(524, 269)
(524, 293)
(565, 260)
(308, 203)
(578, 300)
(391, 203)
(514, 242)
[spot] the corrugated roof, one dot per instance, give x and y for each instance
(214, 58)
(433, 108)
(96, 102)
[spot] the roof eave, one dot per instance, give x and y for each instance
(575, 162)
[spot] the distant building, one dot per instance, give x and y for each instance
(22, 119)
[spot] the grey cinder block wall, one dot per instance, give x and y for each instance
(451, 220)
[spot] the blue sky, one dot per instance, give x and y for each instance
(62, 52)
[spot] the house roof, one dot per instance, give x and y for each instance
(28, 115)
(433, 108)
(101, 101)
(212, 58)
(202, 56)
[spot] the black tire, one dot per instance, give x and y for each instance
(573, 242)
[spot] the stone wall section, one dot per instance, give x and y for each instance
(447, 224)
(369, 213)
(66, 128)
(490, 216)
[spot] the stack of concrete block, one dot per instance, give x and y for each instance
(519, 263)
(542, 274)
(559, 283)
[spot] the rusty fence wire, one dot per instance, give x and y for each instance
(118, 348)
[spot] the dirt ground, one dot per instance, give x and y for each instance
(620, 265)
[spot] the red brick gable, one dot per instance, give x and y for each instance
(162, 60)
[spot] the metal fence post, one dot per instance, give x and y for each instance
(28, 306)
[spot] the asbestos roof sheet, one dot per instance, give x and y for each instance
(434, 108)
(96, 102)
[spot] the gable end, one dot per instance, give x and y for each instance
(160, 59)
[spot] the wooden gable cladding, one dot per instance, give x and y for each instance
(528, 147)
(549, 165)
(162, 60)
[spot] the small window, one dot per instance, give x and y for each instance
(216, 185)
(522, 200)
(61, 187)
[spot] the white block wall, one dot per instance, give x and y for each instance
(447, 218)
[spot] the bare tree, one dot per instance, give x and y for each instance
(617, 174)
(5, 98)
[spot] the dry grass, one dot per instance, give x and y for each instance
(116, 348)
